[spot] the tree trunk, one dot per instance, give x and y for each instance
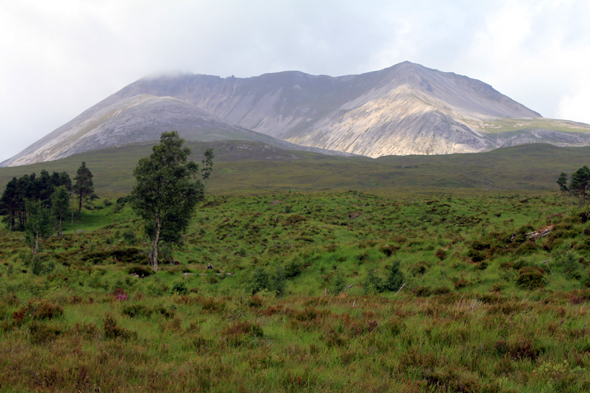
(36, 249)
(80, 208)
(155, 245)
(60, 225)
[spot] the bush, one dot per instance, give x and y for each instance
(41, 333)
(476, 256)
(440, 254)
(259, 281)
(373, 284)
(292, 269)
(38, 310)
(129, 236)
(462, 283)
(337, 284)
(113, 331)
(388, 250)
(531, 277)
(180, 288)
(237, 333)
(141, 271)
(395, 278)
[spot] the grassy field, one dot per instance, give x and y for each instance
(296, 298)
(253, 168)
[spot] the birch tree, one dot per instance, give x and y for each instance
(167, 189)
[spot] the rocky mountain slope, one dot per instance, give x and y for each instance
(140, 118)
(401, 110)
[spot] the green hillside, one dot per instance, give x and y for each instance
(251, 167)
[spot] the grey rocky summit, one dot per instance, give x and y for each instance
(401, 110)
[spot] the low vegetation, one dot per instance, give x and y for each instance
(320, 291)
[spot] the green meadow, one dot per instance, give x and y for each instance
(301, 272)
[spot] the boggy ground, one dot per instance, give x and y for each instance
(297, 300)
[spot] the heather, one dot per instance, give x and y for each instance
(300, 291)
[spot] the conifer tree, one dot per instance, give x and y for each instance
(83, 187)
(60, 204)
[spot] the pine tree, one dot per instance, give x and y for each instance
(60, 204)
(83, 186)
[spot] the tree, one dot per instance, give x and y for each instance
(580, 182)
(60, 204)
(38, 225)
(562, 182)
(167, 190)
(83, 187)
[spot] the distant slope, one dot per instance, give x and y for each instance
(139, 118)
(254, 167)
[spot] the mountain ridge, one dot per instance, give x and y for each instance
(400, 110)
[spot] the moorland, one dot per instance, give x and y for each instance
(300, 272)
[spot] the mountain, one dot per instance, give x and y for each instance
(406, 109)
(139, 118)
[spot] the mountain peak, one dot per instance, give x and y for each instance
(403, 109)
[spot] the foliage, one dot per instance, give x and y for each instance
(33, 188)
(83, 187)
(395, 278)
(60, 205)
(90, 325)
(38, 226)
(165, 194)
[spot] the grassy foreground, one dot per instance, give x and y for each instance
(484, 308)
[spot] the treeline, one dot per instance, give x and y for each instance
(44, 191)
(579, 183)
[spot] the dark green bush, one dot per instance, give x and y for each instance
(395, 278)
(179, 287)
(531, 277)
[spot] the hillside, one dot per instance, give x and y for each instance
(254, 167)
(140, 118)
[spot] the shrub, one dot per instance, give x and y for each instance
(462, 283)
(113, 331)
(255, 301)
(394, 327)
(395, 278)
(259, 281)
(236, 333)
(531, 277)
(179, 287)
(38, 310)
(388, 250)
(422, 291)
(129, 236)
(440, 254)
(337, 284)
(141, 271)
(418, 269)
(292, 269)
(373, 283)
(441, 291)
(41, 333)
(476, 256)
(136, 310)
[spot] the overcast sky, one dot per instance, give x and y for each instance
(60, 57)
